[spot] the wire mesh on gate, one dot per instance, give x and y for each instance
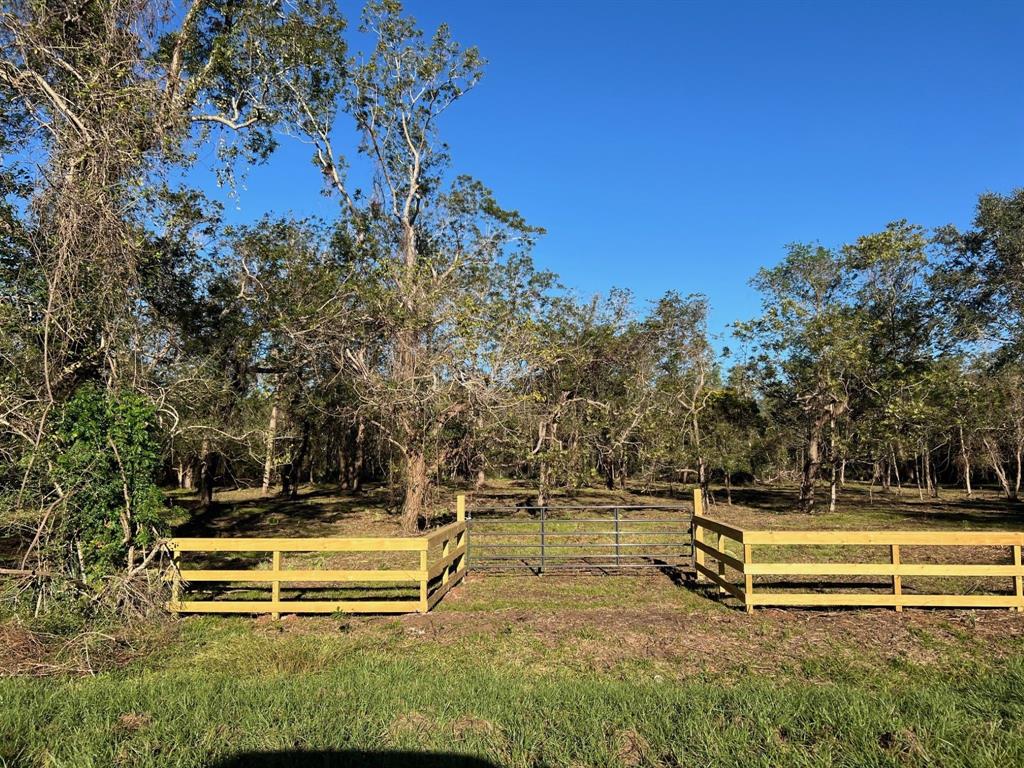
(581, 537)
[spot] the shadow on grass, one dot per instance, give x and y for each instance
(351, 759)
(278, 515)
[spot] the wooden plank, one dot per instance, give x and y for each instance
(1018, 582)
(276, 583)
(295, 606)
(721, 564)
(880, 600)
(732, 589)
(887, 538)
(445, 589)
(439, 567)
(445, 531)
(377, 544)
(320, 576)
(720, 556)
(698, 544)
(748, 579)
(423, 607)
(732, 532)
(897, 580)
(881, 569)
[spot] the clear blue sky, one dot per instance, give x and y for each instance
(677, 145)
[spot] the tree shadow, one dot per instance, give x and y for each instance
(346, 758)
(276, 515)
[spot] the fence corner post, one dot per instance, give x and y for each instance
(424, 577)
(697, 534)
(460, 508)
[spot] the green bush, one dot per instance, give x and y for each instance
(104, 458)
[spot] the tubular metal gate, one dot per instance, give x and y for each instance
(574, 538)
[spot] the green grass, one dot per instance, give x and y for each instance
(553, 671)
(226, 689)
(476, 680)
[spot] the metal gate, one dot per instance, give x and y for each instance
(618, 537)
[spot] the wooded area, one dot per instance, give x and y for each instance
(146, 344)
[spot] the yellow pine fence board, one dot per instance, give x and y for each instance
(884, 600)
(291, 576)
(377, 544)
(445, 589)
(295, 606)
(723, 557)
(880, 569)
(439, 567)
(887, 538)
(732, 589)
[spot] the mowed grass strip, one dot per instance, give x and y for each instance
(292, 696)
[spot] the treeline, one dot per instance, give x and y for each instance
(410, 338)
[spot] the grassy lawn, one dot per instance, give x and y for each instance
(534, 671)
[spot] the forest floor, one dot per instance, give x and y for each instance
(559, 670)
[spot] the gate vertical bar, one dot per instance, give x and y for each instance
(618, 557)
(543, 517)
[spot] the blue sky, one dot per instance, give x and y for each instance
(675, 145)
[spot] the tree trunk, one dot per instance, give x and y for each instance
(996, 461)
(833, 486)
(543, 483)
(268, 461)
(926, 469)
(207, 474)
(896, 473)
(415, 489)
(293, 472)
(350, 458)
(966, 461)
(812, 463)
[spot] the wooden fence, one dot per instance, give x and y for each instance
(741, 561)
(433, 578)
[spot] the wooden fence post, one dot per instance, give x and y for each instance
(463, 537)
(721, 563)
(445, 549)
(748, 579)
(176, 578)
(424, 579)
(697, 532)
(897, 580)
(1018, 580)
(276, 585)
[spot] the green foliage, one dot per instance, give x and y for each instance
(104, 456)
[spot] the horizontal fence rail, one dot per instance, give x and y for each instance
(733, 550)
(438, 563)
(606, 537)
